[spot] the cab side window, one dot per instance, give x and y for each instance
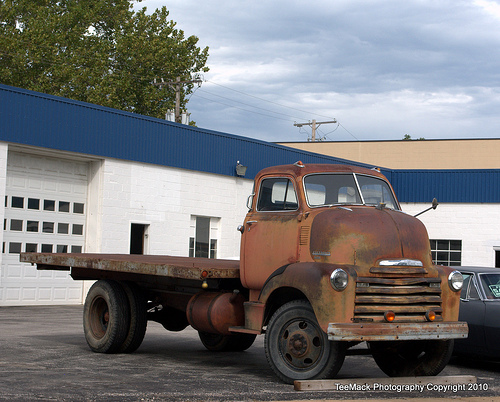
(277, 194)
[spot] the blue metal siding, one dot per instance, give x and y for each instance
(454, 186)
(32, 118)
(46, 121)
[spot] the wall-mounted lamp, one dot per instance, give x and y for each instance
(240, 169)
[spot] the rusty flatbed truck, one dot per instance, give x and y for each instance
(328, 260)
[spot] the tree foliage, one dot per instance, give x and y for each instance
(98, 51)
(407, 137)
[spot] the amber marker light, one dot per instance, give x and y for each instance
(204, 274)
(430, 315)
(389, 316)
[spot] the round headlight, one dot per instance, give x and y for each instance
(339, 279)
(456, 281)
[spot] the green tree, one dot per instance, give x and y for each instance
(98, 51)
(407, 137)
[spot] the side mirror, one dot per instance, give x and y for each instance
(250, 201)
(433, 206)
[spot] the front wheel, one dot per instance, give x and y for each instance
(296, 346)
(412, 358)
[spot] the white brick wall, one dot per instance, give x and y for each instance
(477, 225)
(166, 198)
(3, 184)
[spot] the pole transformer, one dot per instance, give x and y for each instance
(314, 125)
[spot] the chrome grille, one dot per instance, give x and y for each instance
(409, 298)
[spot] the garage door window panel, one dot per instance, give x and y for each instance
(48, 227)
(63, 228)
(32, 226)
(17, 202)
(47, 248)
(78, 208)
(15, 248)
(33, 203)
(16, 225)
(62, 248)
(49, 205)
(77, 230)
(63, 206)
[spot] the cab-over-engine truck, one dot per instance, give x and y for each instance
(328, 260)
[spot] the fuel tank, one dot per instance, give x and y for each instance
(214, 312)
(364, 235)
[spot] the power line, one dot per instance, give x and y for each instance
(240, 108)
(351, 134)
(265, 100)
(267, 110)
(246, 104)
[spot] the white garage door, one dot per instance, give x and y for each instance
(45, 211)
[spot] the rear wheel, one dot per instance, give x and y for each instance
(412, 358)
(106, 316)
(138, 318)
(222, 343)
(296, 346)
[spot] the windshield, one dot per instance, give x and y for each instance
(491, 285)
(336, 188)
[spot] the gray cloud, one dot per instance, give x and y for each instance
(428, 68)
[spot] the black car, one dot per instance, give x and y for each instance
(480, 308)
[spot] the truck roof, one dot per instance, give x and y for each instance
(299, 169)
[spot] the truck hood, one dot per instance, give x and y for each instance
(365, 235)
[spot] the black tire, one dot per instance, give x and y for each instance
(106, 317)
(138, 318)
(412, 358)
(225, 343)
(296, 346)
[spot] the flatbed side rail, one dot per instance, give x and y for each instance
(157, 265)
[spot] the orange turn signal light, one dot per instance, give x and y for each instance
(389, 316)
(430, 315)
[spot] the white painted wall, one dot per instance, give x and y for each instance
(166, 198)
(477, 225)
(3, 184)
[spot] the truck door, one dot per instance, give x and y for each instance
(270, 233)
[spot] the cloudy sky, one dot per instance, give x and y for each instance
(381, 68)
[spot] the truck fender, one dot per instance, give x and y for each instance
(311, 281)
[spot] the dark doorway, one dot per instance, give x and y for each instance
(497, 258)
(137, 236)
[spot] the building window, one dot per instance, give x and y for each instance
(447, 252)
(203, 243)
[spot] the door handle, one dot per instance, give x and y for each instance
(250, 223)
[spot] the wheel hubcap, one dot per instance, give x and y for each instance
(99, 317)
(301, 344)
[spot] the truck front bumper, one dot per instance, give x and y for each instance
(397, 331)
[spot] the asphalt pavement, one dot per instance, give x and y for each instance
(44, 357)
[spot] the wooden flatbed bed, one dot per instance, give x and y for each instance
(154, 265)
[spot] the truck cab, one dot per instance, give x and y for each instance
(332, 242)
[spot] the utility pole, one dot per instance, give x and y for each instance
(176, 85)
(314, 125)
